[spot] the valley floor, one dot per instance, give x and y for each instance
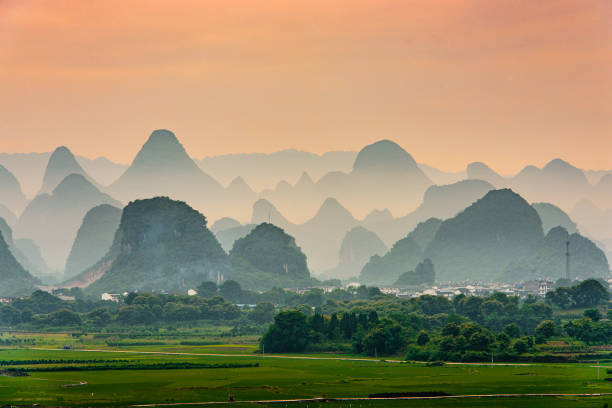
(96, 378)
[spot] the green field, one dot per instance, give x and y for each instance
(280, 378)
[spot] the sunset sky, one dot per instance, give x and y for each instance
(452, 81)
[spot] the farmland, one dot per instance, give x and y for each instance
(251, 376)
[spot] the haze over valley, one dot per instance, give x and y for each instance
(367, 216)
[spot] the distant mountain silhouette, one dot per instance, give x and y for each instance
(403, 256)
(228, 230)
(548, 260)
(62, 163)
(602, 191)
(383, 175)
(481, 171)
(33, 260)
(594, 222)
(224, 224)
(102, 169)
(52, 220)
(27, 259)
(322, 235)
(438, 201)
(29, 168)
(16, 281)
(558, 182)
(319, 237)
(161, 244)
(238, 197)
(358, 246)
(94, 238)
(265, 211)
(228, 236)
(479, 242)
(263, 171)
(440, 177)
(552, 216)
(11, 195)
(385, 270)
(163, 168)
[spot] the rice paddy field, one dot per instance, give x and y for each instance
(101, 375)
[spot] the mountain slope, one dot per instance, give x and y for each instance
(16, 281)
(552, 216)
(52, 221)
(163, 168)
(479, 242)
(161, 244)
(94, 238)
(548, 259)
(270, 251)
(10, 192)
(358, 246)
(62, 163)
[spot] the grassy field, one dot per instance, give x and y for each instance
(278, 378)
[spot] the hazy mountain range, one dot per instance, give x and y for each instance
(342, 207)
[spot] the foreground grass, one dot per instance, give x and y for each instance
(290, 379)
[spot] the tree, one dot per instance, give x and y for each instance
(422, 338)
(384, 338)
(130, 298)
(207, 289)
(64, 317)
(480, 341)
(262, 313)
(593, 314)
(9, 315)
(288, 333)
(520, 346)
(231, 290)
(561, 297)
(470, 307)
(512, 330)
(545, 329)
(451, 329)
(99, 317)
(590, 293)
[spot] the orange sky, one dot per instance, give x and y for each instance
(509, 82)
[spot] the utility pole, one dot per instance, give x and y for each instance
(567, 260)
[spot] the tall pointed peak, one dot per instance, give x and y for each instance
(239, 185)
(163, 149)
(332, 209)
(304, 181)
(61, 164)
(265, 211)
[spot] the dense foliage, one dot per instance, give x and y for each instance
(466, 328)
(587, 293)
